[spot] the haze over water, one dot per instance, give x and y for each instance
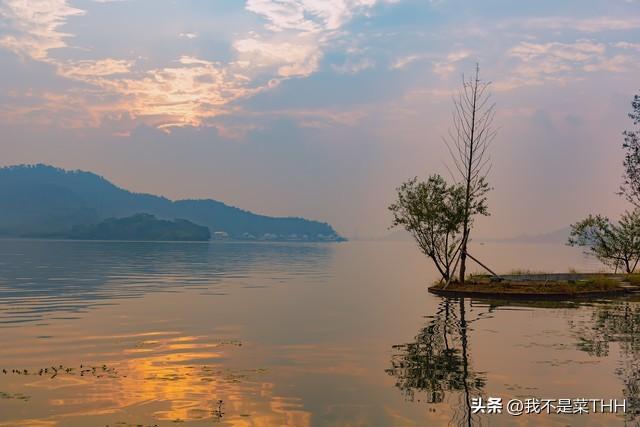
(291, 335)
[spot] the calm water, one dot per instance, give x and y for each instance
(292, 335)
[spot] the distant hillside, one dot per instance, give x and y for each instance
(554, 237)
(42, 199)
(557, 236)
(140, 227)
(399, 235)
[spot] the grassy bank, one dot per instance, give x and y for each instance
(569, 285)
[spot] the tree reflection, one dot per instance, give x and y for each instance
(437, 362)
(616, 323)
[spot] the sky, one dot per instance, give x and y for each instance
(321, 108)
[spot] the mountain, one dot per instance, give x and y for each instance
(41, 199)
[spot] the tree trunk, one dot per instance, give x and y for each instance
(445, 275)
(463, 261)
(467, 206)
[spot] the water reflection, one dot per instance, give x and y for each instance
(615, 324)
(148, 333)
(156, 378)
(65, 278)
(437, 367)
(285, 335)
(438, 362)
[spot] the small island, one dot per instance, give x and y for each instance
(551, 286)
(440, 215)
(140, 227)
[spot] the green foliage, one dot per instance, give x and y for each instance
(631, 184)
(433, 212)
(615, 245)
(141, 227)
(602, 282)
(478, 198)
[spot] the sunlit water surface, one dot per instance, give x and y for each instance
(118, 334)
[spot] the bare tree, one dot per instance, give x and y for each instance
(468, 141)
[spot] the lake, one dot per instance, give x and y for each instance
(276, 334)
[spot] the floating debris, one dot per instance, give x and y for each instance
(218, 413)
(14, 396)
(53, 371)
(126, 424)
(231, 342)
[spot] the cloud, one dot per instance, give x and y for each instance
(188, 91)
(558, 52)
(299, 32)
(615, 64)
(89, 69)
(34, 26)
(293, 39)
(404, 61)
(184, 93)
(300, 58)
(585, 25)
(627, 45)
(539, 63)
(282, 15)
(448, 66)
(353, 65)
(307, 15)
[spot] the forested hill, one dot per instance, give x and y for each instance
(40, 199)
(140, 227)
